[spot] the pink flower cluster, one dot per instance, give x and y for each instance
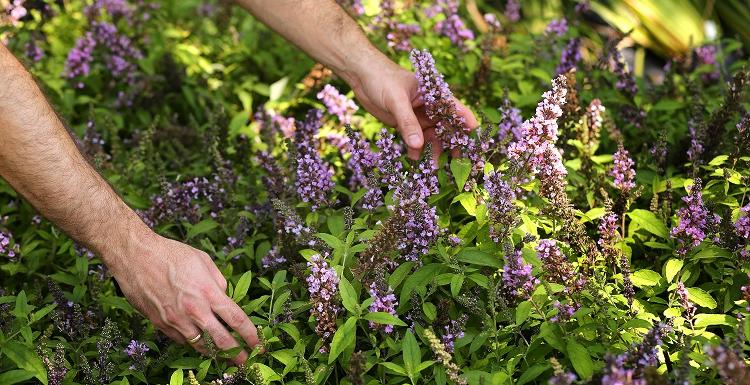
(337, 104)
(323, 285)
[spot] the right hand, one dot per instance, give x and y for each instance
(181, 291)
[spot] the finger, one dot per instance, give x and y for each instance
(235, 318)
(215, 272)
(408, 126)
(221, 336)
(469, 118)
(173, 334)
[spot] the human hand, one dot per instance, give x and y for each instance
(182, 292)
(389, 93)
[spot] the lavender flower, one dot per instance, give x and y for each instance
(384, 301)
(492, 22)
(500, 207)
(8, 248)
(16, 11)
(33, 51)
(706, 56)
(622, 170)
(742, 226)
(363, 162)
(454, 29)
(314, 176)
(453, 331)
(564, 311)
(688, 309)
(122, 54)
(440, 105)
(570, 56)
(513, 10)
(419, 184)
(323, 285)
(694, 220)
(137, 353)
(557, 27)
(556, 266)
(270, 122)
(80, 57)
(517, 280)
(55, 365)
(454, 240)
(731, 367)
(608, 235)
(289, 223)
(337, 104)
(509, 128)
(399, 36)
(420, 230)
(594, 119)
(273, 259)
(180, 201)
(625, 80)
(115, 8)
(388, 159)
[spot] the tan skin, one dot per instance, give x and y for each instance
(176, 286)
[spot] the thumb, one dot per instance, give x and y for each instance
(409, 127)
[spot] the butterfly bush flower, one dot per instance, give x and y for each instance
(513, 10)
(694, 220)
(557, 27)
(570, 56)
(137, 352)
(564, 311)
(492, 22)
(440, 106)
(608, 235)
(500, 207)
(314, 176)
(385, 301)
(622, 170)
(595, 119)
(706, 56)
(16, 10)
(271, 122)
(55, 365)
(323, 285)
(688, 309)
(363, 162)
(517, 279)
(731, 367)
(742, 226)
(273, 259)
(337, 103)
(509, 127)
(8, 248)
(420, 230)
(33, 51)
(556, 266)
(289, 223)
(180, 201)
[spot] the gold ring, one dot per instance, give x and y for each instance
(195, 339)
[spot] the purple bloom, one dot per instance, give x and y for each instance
(314, 176)
(55, 365)
(418, 185)
(622, 170)
(518, 282)
(323, 285)
(608, 235)
(582, 7)
(625, 80)
(688, 309)
(420, 230)
(556, 266)
(562, 378)
(742, 226)
(454, 29)
(121, 53)
(564, 311)
(363, 162)
(536, 150)
(440, 105)
(557, 27)
(731, 367)
(8, 248)
(492, 21)
(137, 353)
(570, 56)
(33, 51)
(388, 159)
(454, 240)
(273, 259)
(337, 104)
(509, 127)
(513, 10)
(399, 36)
(181, 201)
(453, 331)
(594, 117)
(706, 56)
(16, 11)
(385, 301)
(500, 207)
(271, 122)
(80, 57)
(694, 221)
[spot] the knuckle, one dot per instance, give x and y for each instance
(237, 319)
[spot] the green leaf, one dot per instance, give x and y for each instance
(645, 277)
(412, 354)
(522, 312)
(15, 376)
(331, 240)
(477, 257)
(22, 308)
(201, 227)
(25, 358)
(580, 358)
(348, 296)
(649, 222)
(672, 267)
(430, 311)
(344, 337)
(243, 284)
(456, 282)
(384, 318)
(399, 274)
(531, 373)
(460, 168)
(395, 367)
(701, 297)
(177, 377)
(705, 320)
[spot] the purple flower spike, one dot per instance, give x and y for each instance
(323, 285)
(623, 171)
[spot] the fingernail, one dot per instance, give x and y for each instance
(413, 141)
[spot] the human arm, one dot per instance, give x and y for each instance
(327, 33)
(176, 286)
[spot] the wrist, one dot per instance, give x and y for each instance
(359, 67)
(128, 241)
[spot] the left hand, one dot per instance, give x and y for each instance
(389, 93)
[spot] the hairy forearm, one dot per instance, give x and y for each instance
(40, 160)
(323, 30)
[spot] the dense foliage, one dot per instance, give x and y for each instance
(594, 229)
